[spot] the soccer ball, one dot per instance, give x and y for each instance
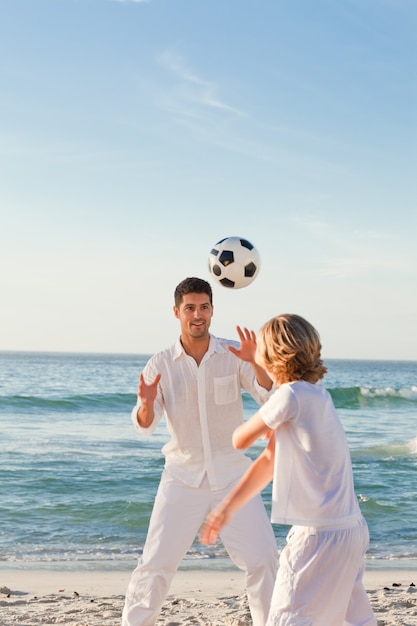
(234, 262)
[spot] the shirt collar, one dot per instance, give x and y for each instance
(214, 346)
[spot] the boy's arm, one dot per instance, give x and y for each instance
(248, 432)
(254, 480)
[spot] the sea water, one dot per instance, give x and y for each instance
(77, 482)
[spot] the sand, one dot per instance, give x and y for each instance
(202, 597)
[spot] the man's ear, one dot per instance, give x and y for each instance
(176, 311)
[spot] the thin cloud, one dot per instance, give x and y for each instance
(359, 250)
(378, 263)
(196, 105)
(191, 88)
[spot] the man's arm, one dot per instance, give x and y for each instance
(262, 376)
(146, 394)
(247, 353)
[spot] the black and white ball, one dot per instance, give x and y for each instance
(234, 262)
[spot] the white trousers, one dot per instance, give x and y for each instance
(319, 580)
(178, 512)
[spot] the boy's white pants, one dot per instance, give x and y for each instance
(179, 511)
(319, 580)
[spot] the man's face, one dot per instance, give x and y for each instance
(195, 313)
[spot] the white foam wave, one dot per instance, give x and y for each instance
(413, 446)
(409, 393)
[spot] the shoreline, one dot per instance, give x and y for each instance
(41, 581)
(205, 596)
(206, 563)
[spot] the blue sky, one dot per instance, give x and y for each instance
(134, 135)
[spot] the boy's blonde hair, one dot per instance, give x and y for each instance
(289, 349)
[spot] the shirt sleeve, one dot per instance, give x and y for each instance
(250, 384)
(262, 393)
(281, 407)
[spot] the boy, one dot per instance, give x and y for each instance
(319, 580)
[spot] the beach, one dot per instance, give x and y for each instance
(199, 597)
(78, 487)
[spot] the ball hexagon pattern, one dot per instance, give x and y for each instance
(234, 262)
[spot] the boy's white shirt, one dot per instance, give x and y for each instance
(313, 479)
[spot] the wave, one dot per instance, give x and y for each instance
(91, 403)
(343, 397)
(387, 451)
(355, 397)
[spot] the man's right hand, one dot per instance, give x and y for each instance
(147, 395)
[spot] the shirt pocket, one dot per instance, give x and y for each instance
(226, 389)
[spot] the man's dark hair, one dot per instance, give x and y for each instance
(192, 285)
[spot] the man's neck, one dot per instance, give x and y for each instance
(196, 347)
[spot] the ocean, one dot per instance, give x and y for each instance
(77, 483)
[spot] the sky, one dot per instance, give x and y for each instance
(136, 134)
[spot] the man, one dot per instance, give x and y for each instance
(197, 382)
